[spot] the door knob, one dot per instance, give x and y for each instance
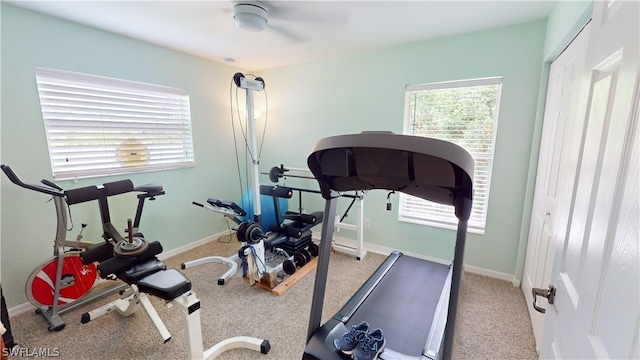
(548, 293)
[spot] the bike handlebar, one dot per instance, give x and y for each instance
(87, 193)
(54, 191)
(51, 184)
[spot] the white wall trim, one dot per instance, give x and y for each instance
(19, 309)
(179, 250)
(384, 250)
(494, 274)
(27, 306)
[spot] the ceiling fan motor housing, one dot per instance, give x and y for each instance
(250, 16)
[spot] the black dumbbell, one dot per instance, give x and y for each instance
(289, 266)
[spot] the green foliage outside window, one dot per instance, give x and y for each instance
(463, 113)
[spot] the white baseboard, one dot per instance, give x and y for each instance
(27, 306)
(384, 250)
(179, 250)
(494, 274)
(20, 309)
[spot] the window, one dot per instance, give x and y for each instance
(464, 113)
(97, 126)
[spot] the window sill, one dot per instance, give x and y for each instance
(448, 226)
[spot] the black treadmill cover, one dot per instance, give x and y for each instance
(431, 169)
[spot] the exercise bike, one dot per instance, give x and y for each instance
(61, 282)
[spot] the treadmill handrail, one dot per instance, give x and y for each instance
(431, 169)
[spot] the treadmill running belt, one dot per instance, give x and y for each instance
(403, 304)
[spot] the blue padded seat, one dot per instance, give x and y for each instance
(165, 284)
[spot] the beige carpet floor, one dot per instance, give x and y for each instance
(492, 318)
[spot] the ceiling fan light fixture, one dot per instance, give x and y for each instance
(250, 16)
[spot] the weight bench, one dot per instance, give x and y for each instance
(150, 277)
(144, 274)
(292, 230)
(134, 261)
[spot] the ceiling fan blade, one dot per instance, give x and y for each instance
(212, 18)
(327, 12)
(286, 34)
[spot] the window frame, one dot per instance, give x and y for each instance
(102, 126)
(450, 222)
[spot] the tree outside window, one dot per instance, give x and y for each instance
(465, 113)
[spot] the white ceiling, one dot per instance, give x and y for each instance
(297, 31)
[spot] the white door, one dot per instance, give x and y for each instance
(596, 312)
(561, 102)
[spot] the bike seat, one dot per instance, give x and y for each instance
(149, 188)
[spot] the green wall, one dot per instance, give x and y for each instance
(30, 39)
(306, 102)
(366, 92)
(564, 23)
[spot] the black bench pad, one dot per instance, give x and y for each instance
(139, 271)
(165, 284)
(119, 264)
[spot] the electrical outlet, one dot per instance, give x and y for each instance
(367, 224)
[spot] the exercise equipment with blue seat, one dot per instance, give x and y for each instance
(288, 233)
(260, 228)
(267, 206)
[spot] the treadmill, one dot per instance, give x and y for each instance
(414, 301)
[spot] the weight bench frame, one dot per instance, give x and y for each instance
(146, 275)
(126, 305)
(172, 286)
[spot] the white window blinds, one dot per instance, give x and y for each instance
(464, 113)
(97, 126)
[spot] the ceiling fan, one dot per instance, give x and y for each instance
(288, 18)
(250, 16)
